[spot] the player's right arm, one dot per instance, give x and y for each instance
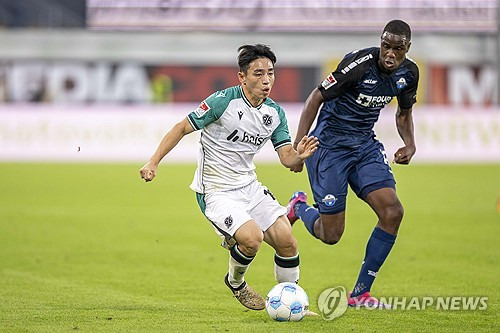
(169, 141)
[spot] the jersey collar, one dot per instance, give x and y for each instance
(247, 102)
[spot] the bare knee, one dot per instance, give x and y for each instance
(391, 217)
(331, 239)
(331, 231)
(288, 247)
(393, 214)
(250, 245)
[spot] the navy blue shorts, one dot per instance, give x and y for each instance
(364, 168)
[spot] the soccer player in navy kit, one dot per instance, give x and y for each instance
(351, 98)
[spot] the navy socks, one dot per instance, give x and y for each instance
(308, 215)
(378, 248)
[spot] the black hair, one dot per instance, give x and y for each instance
(248, 53)
(398, 27)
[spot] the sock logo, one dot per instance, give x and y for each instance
(332, 302)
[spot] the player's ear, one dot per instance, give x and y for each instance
(242, 77)
(408, 48)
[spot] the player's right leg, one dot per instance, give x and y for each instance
(248, 238)
(226, 211)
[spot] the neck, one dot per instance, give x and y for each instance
(255, 101)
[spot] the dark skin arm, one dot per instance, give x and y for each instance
(309, 113)
(404, 124)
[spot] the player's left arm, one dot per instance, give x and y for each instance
(404, 124)
(290, 157)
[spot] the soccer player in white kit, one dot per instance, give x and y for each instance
(235, 123)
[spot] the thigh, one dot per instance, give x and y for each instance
(280, 236)
(226, 211)
(328, 171)
(263, 206)
(372, 171)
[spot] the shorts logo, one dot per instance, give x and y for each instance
(329, 81)
(401, 83)
(329, 200)
(228, 221)
(202, 109)
(267, 120)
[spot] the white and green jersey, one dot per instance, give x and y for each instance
(232, 132)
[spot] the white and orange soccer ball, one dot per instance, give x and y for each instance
(287, 302)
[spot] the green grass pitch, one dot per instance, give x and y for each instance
(93, 248)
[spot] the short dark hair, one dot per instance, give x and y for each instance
(248, 53)
(398, 27)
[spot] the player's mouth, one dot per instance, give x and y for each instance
(389, 64)
(266, 91)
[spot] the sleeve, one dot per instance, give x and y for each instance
(408, 95)
(207, 112)
(281, 135)
(346, 75)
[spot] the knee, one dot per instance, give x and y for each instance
(288, 247)
(394, 214)
(331, 237)
(250, 245)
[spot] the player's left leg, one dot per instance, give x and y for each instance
(382, 198)
(286, 259)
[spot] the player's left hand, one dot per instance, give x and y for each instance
(307, 146)
(404, 155)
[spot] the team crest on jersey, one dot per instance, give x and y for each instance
(401, 83)
(267, 120)
(228, 221)
(202, 109)
(329, 81)
(329, 200)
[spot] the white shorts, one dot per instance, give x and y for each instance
(229, 210)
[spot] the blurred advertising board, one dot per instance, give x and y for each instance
(80, 82)
(467, 16)
(69, 133)
(134, 83)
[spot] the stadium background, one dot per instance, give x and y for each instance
(87, 90)
(111, 76)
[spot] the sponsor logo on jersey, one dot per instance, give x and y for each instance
(253, 139)
(248, 138)
(401, 83)
(202, 109)
(329, 200)
(373, 101)
(329, 81)
(267, 120)
(228, 221)
(240, 114)
(370, 81)
(355, 63)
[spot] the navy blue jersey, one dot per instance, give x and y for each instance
(355, 93)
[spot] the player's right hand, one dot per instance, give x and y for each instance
(297, 168)
(148, 172)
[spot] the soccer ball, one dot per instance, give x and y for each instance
(287, 301)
